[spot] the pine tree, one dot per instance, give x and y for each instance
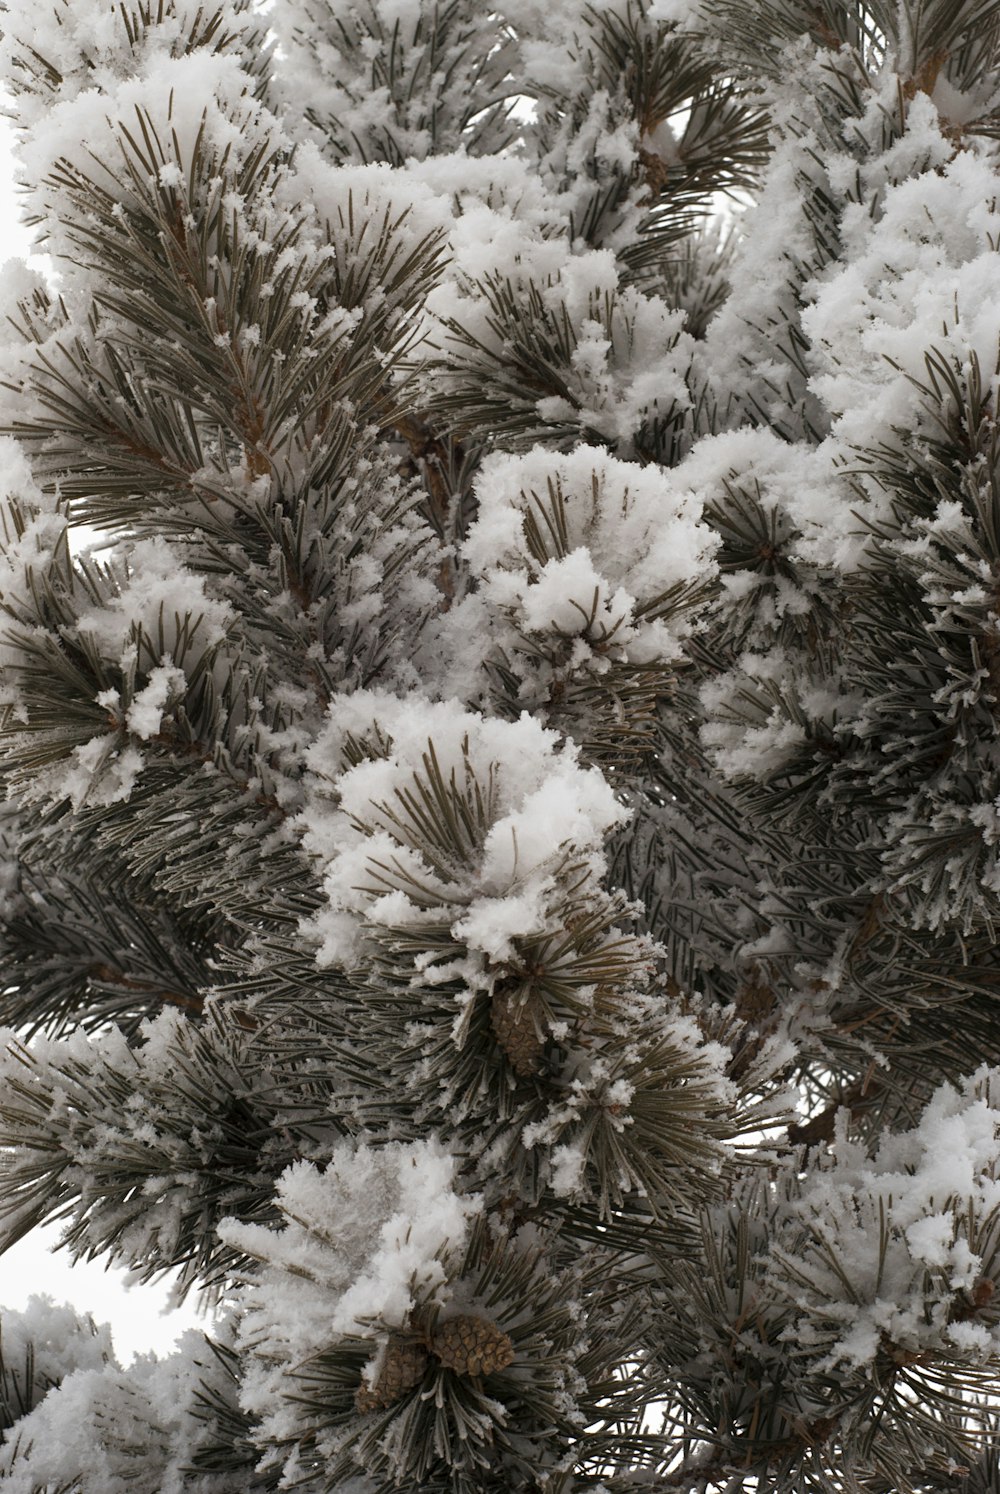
(500, 667)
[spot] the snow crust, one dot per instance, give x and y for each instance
(201, 97)
(367, 1237)
(400, 202)
(53, 1341)
(364, 1241)
(920, 279)
(628, 534)
(159, 592)
(889, 1250)
(628, 352)
(86, 1434)
(542, 810)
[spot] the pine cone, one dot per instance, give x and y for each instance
(755, 1001)
(402, 1366)
(515, 1029)
(472, 1346)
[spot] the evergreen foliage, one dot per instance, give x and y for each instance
(500, 683)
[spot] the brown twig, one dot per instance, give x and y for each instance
(107, 975)
(820, 1128)
(430, 455)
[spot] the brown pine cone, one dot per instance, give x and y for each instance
(402, 1366)
(515, 1029)
(472, 1346)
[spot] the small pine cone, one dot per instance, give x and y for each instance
(402, 1366)
(515, 1029)
(472, 1346)
(755, 1001)
(657, 171)
(365, 1400)
(982, 1292)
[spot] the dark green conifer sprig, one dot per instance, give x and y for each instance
(885, 790)
(413, 85)
(695, 276)
(557, 1049)
(122, 1126)
(193, 311)
(487, 1407)
(783, 1421)
(526, 380)
(921, 38)
(639, 75)
(78, 954)
(223, 30)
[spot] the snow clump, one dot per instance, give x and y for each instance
(582, 544)
(523, 805)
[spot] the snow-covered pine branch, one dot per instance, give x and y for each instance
(498, 856)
